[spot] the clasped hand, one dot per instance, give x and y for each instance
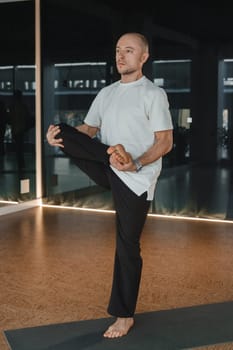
(116, 162)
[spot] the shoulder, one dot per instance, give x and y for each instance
(110, 87)
(107, 89)
(153, 92)
(152, 87)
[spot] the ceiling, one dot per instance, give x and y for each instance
(185, 23)
(69, 23)
(201, 20)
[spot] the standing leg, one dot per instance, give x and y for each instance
(131, 213)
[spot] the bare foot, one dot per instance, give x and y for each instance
(119, 328)
(120, 153)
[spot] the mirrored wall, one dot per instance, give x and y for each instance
(78, 44)
(17, 102)
(79, 61)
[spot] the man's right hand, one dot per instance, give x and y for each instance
(52, 132)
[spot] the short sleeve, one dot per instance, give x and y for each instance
(93, 117)
(159, 112)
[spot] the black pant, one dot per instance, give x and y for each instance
(131, 211)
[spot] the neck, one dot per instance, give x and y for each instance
(129, 78)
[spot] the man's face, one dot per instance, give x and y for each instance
(130, 54)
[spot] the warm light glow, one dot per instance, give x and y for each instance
(177, 217)
(80, 64)
(77, 208)
(8, 202)
(38, 101)
(151, 215)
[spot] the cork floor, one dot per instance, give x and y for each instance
(56, 266)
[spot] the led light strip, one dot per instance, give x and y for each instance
(149, 214)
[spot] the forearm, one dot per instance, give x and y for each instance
(154, 153)
(162, 145)
(88, 130)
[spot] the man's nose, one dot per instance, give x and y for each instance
(121, 54)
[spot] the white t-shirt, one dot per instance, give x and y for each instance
(129, 114)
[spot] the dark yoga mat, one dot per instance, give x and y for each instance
(182, 328)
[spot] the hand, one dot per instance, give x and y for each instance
(52, 132)
(116, 162)
(120, 159)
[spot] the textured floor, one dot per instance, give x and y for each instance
(56, 266)
(226, 346)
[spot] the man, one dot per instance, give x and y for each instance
(136, 130)
(18, 119)
(3, 123)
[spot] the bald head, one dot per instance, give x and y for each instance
(140, 38)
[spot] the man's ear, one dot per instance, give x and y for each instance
(145, 57)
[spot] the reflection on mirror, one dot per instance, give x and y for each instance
(78, 60)
(178, 190)
(17, 102)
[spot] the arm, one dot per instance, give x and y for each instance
(163, 145)
(87, 129)
(54, 130)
